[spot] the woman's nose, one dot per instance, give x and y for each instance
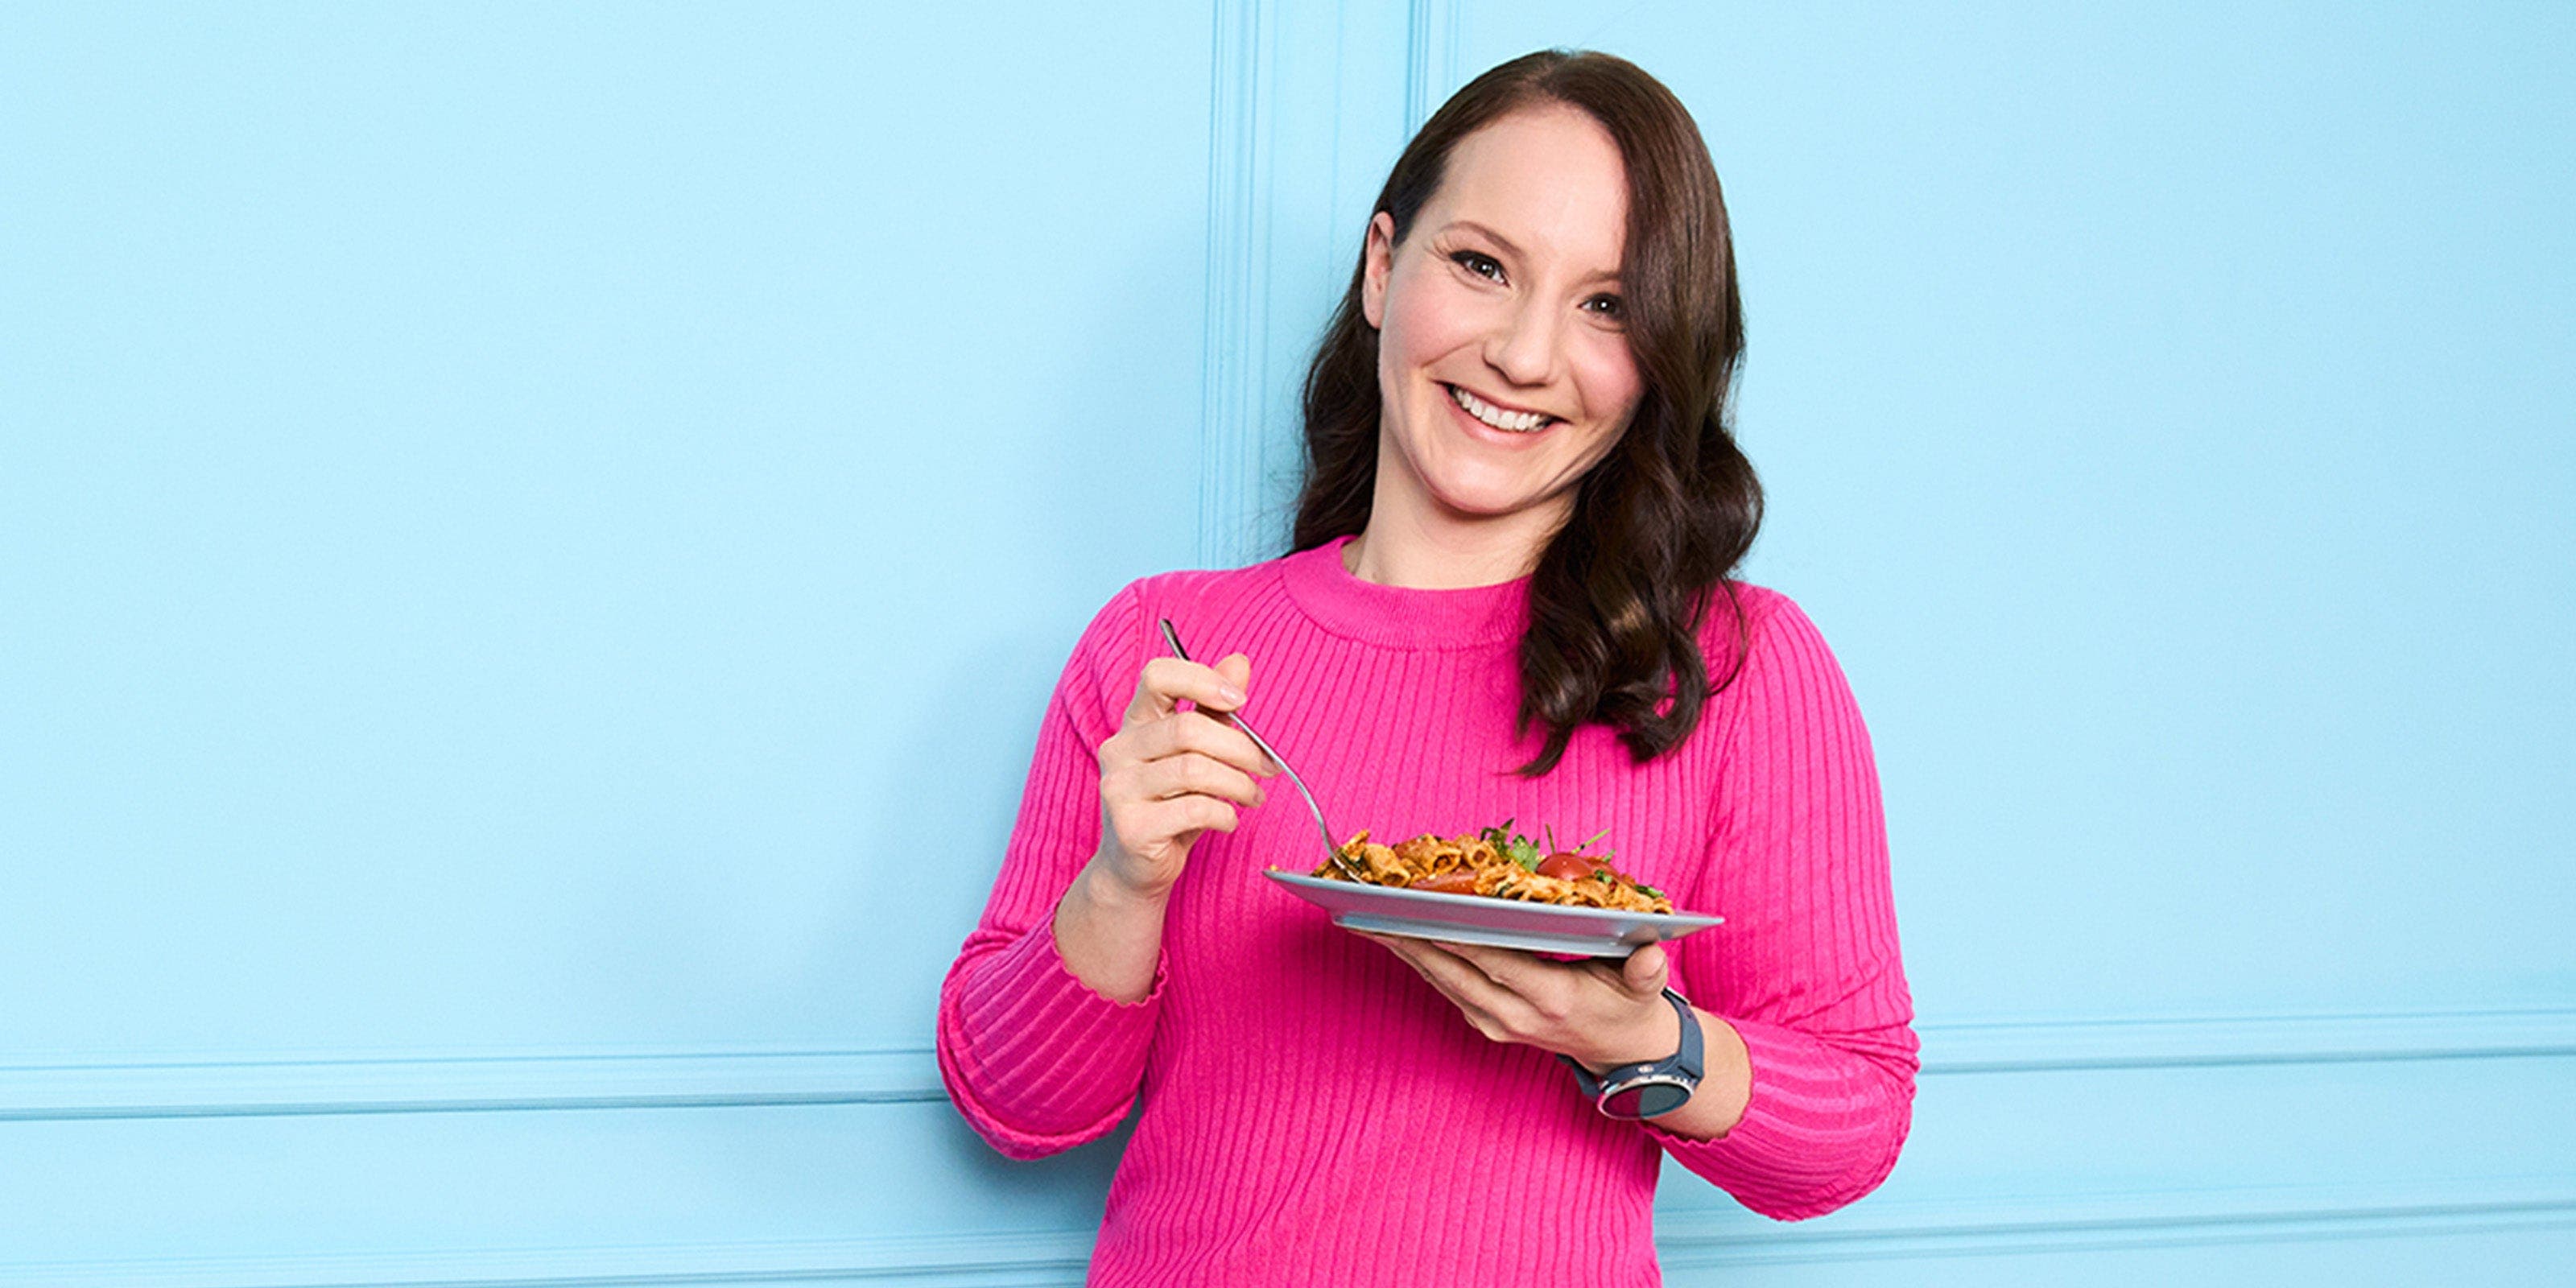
(1523, 345)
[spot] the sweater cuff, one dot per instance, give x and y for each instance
(1816, 1134)
(1044, 1057)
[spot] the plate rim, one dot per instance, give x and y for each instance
(1683, 922)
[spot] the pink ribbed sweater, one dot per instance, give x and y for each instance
(1311, 1111)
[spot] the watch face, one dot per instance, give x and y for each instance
(1645, 1098)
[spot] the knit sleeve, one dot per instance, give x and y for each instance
(1805, 966)
(1035, 1060)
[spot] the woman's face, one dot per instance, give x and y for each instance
(1503, 360)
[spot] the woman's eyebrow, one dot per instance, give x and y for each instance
(1509, 247)
(1610, 275)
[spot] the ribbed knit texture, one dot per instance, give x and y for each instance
(1312, 1112)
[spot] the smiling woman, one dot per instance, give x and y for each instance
(1509, 597)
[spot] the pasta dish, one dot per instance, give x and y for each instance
(1498, 863)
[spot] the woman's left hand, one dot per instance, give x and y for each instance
(1603, 1014)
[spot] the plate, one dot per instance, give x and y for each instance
(1495, 923)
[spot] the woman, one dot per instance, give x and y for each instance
(1508, 599)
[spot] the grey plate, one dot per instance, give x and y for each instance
(1496, 923)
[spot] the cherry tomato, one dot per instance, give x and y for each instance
(1569, 867)
(1453, 881)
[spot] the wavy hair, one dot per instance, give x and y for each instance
(1658, 526)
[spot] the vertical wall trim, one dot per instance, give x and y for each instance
(1431, 65)
(1230, 402)
(1297, 92)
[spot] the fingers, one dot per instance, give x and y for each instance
(1188, 773)
(1643, 972)
(1500, 965)
(1166, 682)
(1156, 833)
(1187, 816)
(1449, 975)
(1189, 731)
(1525, 975)
(1453, 973)
(1154, 712)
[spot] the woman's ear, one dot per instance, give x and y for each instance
(1377, 264)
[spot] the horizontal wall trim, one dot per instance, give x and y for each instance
(1867, 1232)
(745, 1079)
(217, 1089)
(1043, 1257)
(1989, 1226)
(2037, 1046)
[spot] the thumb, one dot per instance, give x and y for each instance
(1647, 970)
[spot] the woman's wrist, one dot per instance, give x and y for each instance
(1725, 1086)
(1654, 1033)
(1110, 934)
(1109, 884)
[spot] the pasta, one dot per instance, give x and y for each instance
(1498, 863)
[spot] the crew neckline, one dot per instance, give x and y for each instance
(1402, 616)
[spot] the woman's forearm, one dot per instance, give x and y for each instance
(1109, 937)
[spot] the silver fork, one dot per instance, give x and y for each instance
(1348, 868)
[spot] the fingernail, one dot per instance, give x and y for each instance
(1230, 694)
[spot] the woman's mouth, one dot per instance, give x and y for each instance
(1510, 422)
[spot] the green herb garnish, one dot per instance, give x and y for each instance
(1514, 846)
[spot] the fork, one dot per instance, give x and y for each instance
(1348, 868)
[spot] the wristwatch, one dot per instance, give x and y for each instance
(1648, 1088)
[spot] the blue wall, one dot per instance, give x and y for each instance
(532, 544)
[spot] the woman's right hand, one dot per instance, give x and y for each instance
(1168, 775)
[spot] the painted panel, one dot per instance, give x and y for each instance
(532, 546)
(2162, 412)
(550, 529)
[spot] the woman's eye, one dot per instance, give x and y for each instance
(1485, 266)
(1608, 307)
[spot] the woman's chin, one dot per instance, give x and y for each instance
(1486, 504)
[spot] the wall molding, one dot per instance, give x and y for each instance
(1288, 193)
(1877, 1230)
(466, 1084)
(1232, 376)
(1989, 1225)
(1044, 1257)
(753, 1078)
(1431, 59)
(2042, 1046)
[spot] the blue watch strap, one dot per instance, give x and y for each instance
(1685, 1066)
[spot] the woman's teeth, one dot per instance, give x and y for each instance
(1510, 422)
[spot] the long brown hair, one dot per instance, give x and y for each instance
(1622, 589)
